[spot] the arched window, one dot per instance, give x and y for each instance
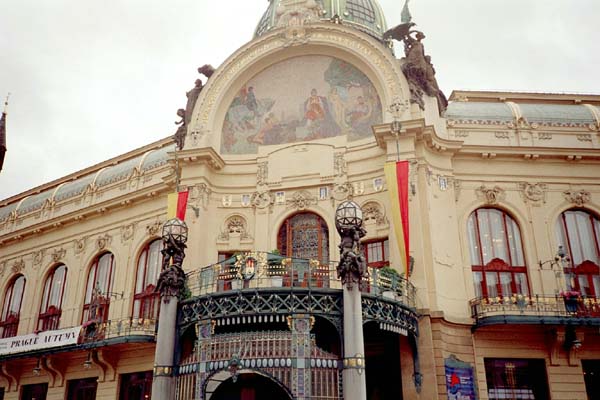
(99, 284)
(146, 299)
(579, 233)
(51, 307)
(304, 235)
(11, 307)
(496, 254)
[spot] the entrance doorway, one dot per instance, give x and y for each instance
(249, 386)
(382, 359)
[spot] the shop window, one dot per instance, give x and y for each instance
(377, 253)
(146, 299)
(516, 379)
(82, 389)
(304, 235)
(34, 392)
(11, 309)
(136, 386)
(579, 233)
(51, 307)
(97, 292)
(496, 252)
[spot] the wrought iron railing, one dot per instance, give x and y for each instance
(93, 331)
(262, 270)
(536, 306)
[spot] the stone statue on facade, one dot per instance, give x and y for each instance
(186, 114)
(353, 264)
(171, 281)
(417, 66)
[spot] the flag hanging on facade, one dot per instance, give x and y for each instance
(396, 175)
(405, 16)
(176, 205)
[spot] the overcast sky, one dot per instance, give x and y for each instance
(93, 79)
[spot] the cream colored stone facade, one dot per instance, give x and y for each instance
(534, 169)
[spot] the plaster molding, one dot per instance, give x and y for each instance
(578, 197)
(490, 195)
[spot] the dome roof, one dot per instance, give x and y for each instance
(365, 15)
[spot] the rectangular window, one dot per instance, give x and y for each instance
(136, 386)
(516, 379)
(377, 253)
(82, 389)
(34, 392)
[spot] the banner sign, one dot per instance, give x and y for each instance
(42, 340)
(460, 382)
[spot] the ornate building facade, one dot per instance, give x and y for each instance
(501, 300)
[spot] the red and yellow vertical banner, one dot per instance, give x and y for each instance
(176, 205)
(396, 175)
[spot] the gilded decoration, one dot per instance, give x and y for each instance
(490, 195)
(333, 98)
(301, 200)
(533, 192)
(579, 197)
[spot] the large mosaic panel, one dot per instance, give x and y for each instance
(300, 99)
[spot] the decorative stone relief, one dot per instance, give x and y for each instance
(58, 254)
(339, 165)
(502, 135)
(79, 245)
(578, 198)
(461, 134)
(343, 191)
(533, 192)
(127, 232)
(227, 200)
(490, 196)
(2, 268)
(153, 229)
(17, 266)
(38, 257)
(235, 225)
(296, 13)
(301, 200)
(372, 211)
(262, 173)
(200, 195)
(103, 241)
(262, 199)
(584, 137)
(544, 136)
(359, 188)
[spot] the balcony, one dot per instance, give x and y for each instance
(537, 309)
(260, 286)
(261, 270)
(89, 335)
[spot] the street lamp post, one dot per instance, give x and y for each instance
(351, 269)
(171, 286)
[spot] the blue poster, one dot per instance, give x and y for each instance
(460, 380)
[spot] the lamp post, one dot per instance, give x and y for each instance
(171, 285)
(351, 269)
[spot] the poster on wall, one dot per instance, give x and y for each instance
(301, 99)
(460, 379)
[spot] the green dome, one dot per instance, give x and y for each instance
(365, 15)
